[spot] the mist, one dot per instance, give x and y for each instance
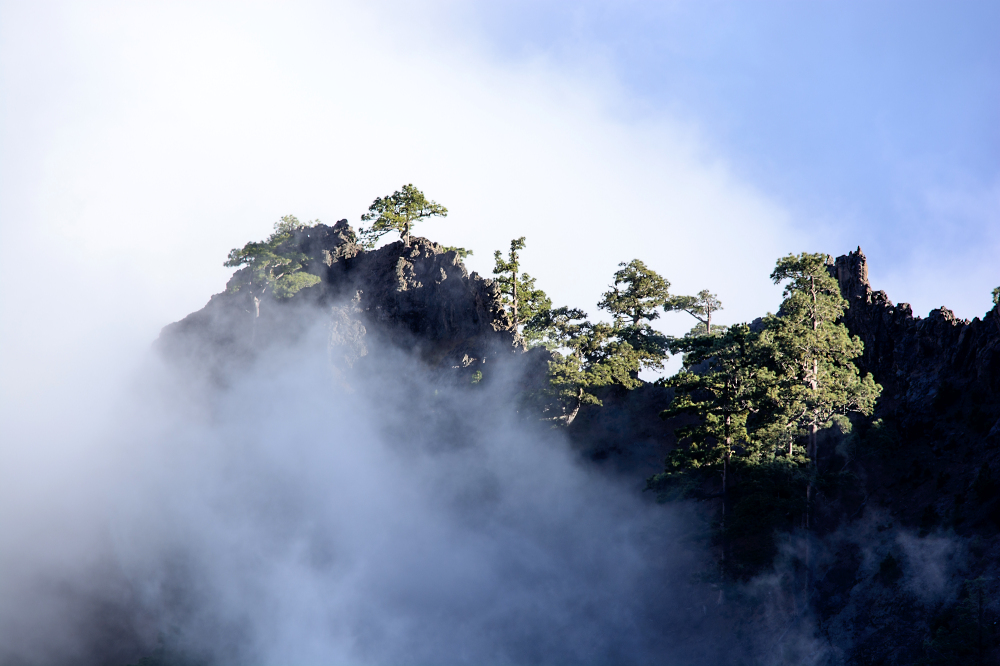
(298, 514)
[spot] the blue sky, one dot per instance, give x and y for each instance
(833, 104)
(852, 113)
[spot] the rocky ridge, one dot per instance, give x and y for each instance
(419, 297)
(920, 473)
(920, 362)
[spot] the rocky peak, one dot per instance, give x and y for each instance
(913, 358)
(419, 297)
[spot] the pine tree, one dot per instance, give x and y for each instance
(576, 366)
(460, 251)
(750, 389)
(518, 292)
(271, 267)
(724, 382)
(398, 212)
(634, 300)
(701, 308)
(814, 352)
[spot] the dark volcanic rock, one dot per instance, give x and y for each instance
(926, 465)
(626, 434)
(920, 363)
(419, 297)
(939, 406)
(915, 490)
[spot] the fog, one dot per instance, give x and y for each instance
(293, 508)
(293, 514)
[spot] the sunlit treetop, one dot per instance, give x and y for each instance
(637, 293)
(398, 212)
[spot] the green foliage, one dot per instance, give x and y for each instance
(577, 364)
(729, 452)
(633, 300)
(701, 308)
(273, 266)
(813, 352)
(397, 212)
(756, 396)
(517, 290)
(460, 251)
(636, 295)
(731, 384)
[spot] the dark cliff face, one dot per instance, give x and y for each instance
(921, 363)
(925, 465)
(939, 409)
(918, 491)
(420, 298)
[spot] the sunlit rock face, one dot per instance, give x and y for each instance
(419, 297)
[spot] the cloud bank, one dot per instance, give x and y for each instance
(288, 517)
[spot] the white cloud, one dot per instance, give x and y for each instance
(949, 256)
(145, 140)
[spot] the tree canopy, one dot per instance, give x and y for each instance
(758, 395)
(460, 251)
(813, 351)
(271, 267)
(634, 299)
(576, 366)
(518, 292)
(398, 212)
(636, 294)
(701, 308)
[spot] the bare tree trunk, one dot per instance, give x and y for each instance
(576, 409)
(256, 316)
(725, 491)
(514, 297)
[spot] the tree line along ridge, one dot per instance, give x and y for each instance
(761, 395)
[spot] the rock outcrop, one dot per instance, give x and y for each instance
(419, 297)
(923, 364)
(924, 466)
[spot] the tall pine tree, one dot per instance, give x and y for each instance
(633, 300)
(813, 354)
